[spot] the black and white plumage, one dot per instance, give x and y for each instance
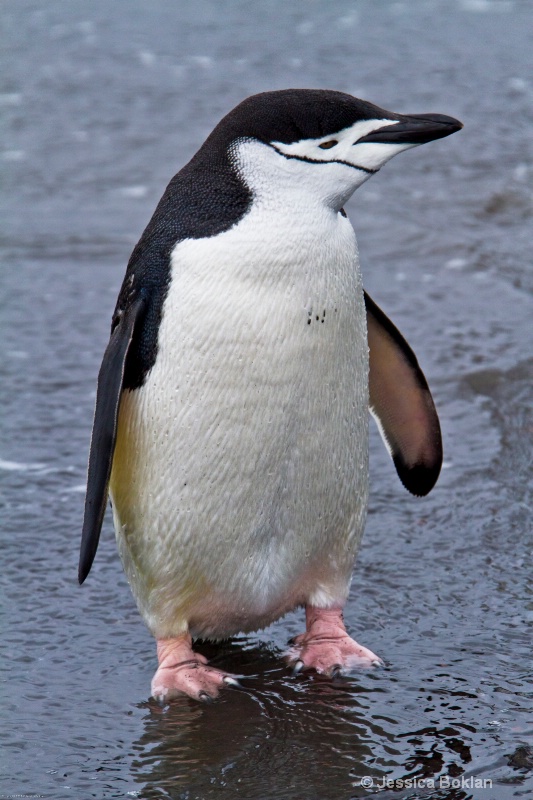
(232, 406)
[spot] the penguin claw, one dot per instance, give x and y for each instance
(205, 698)
(298, 667)
(336, 671)
(231, 681)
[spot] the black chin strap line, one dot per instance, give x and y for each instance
(319, 161)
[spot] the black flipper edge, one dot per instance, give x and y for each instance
(108, 394)
(402, 405)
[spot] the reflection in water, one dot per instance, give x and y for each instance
(287, 737)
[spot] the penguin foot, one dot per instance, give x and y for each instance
(326, 646)
(182, 671)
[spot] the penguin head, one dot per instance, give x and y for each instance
(326, 142)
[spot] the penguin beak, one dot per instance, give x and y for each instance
(414, 130)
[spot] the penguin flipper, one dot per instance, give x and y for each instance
(402, 405)
(108, 393)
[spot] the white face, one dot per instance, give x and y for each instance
(343, 146)
(331, 167)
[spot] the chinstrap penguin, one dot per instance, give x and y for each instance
(231, 421)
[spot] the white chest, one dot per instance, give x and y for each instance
(272, 294)
(248, 439)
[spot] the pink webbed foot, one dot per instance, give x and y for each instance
(326, 647)
(182, 671)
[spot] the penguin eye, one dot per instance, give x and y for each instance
(328, 145)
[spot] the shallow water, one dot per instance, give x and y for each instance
(101, 106)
